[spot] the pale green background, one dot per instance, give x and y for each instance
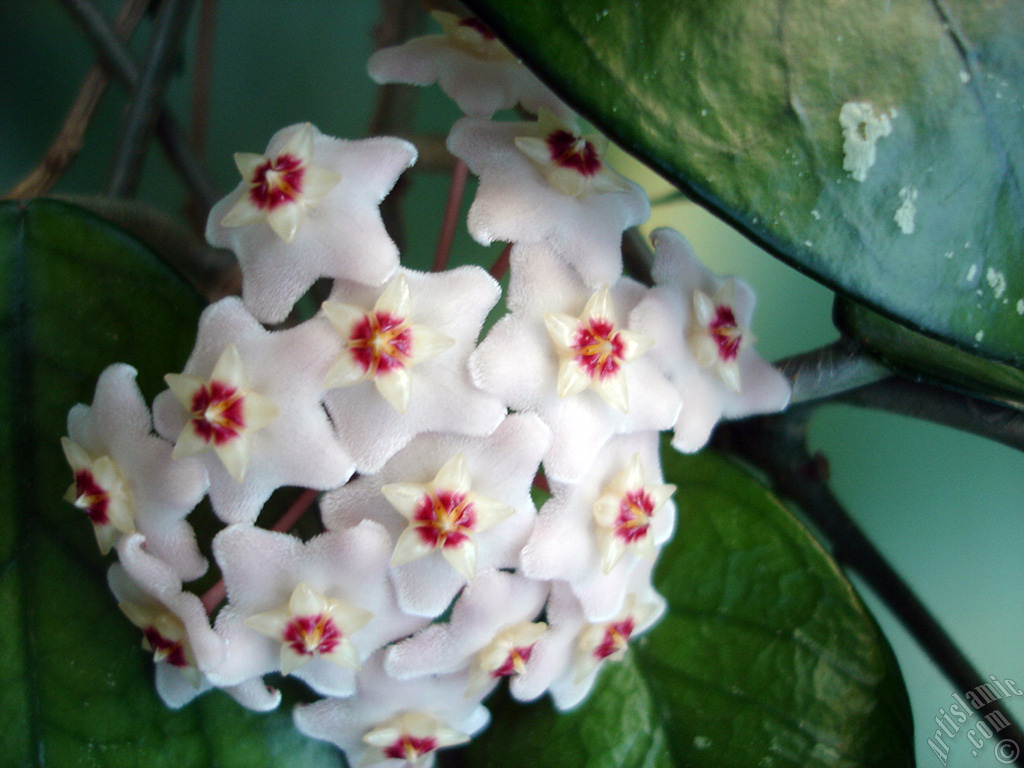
(945, 507)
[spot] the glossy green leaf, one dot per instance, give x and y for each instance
(738, 102)
(918, 355)
(75, 685)
(765, 654)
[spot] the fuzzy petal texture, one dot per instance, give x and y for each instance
(516, 203)
(501, 468)
(518, 362)
(706, 396)
(299, 446)
(442, 398)
(162, 491)
(495, 600)
(342, 235)
(379, 698)
(566, 544)
(477, 73)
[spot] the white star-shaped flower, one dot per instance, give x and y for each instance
(446, 502)
(472, 67)
(520, 363)
(709, 355)
(124, 479)
(389, 720)
(517, 202)
(491, 632)
(284, 368)
(403, 368)
(591, 534)
(314, 609)
(309, 208)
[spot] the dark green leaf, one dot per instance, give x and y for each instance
(738, 101)
(765, 653)
(75, 685)
(918, 355)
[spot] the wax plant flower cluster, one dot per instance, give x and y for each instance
(435, 576)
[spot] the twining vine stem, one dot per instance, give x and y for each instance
(71, 137)
(117, 57)
(147, 96)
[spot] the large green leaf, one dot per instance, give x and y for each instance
(75, 685)
(738, 101)
(765, 657)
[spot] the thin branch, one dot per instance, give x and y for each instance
(925, 401)
(213, 272)
(778, 446)
(71, 137)
(451, 215)
(201, 80)
(116, 55)
(830, 371)
(147, 96)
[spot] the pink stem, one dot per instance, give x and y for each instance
(451, 215)
(500, 266)
(214, 596)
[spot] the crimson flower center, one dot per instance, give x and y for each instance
(635, 510)
(171, 651)
(277, 182)
(218, 412)
(410, 748)
(91, 497)
(381, 343)
(515, 662)
(310, 635)
(571, 151)
(726, 333)
(599, 349)
(444, 518)
(616, 637)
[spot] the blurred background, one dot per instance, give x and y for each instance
(943, 506)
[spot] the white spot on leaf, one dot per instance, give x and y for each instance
(996, 281)
(906, 212)
(862, 128)
(972, 273)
